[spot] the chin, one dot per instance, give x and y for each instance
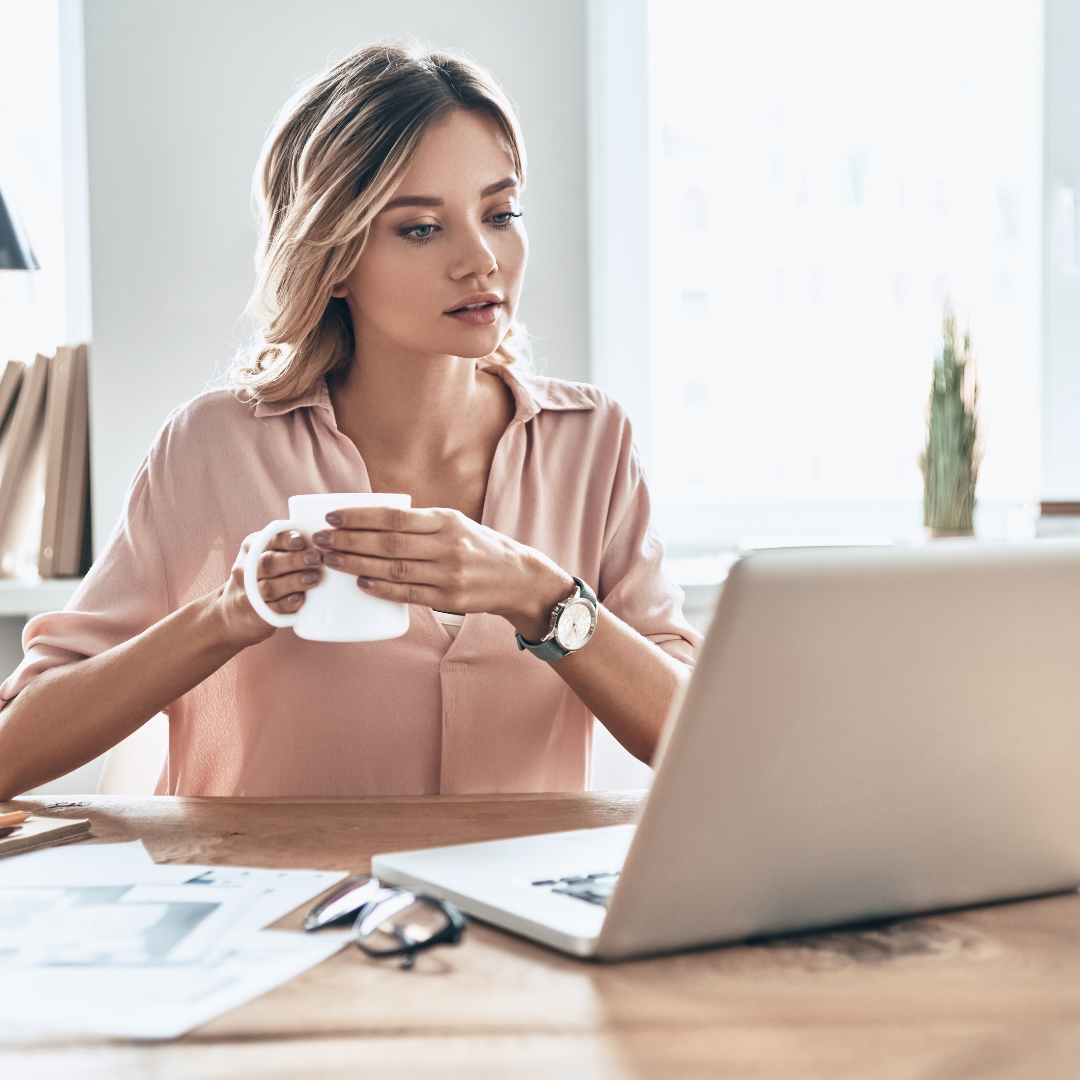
(476, 345)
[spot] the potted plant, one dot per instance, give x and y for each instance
(950, 462)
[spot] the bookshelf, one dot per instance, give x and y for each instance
(28, 597)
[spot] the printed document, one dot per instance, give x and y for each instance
(100, 939)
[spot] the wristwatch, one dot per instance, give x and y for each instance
(572, 624)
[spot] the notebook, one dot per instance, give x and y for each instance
(39, 832)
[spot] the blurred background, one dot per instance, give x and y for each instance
(746, 218)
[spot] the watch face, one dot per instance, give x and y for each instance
(575, 625)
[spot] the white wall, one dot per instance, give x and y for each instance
(32, 305)
(1061, 274)
(619, 206)
(179, 96)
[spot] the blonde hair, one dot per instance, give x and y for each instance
(336, 154)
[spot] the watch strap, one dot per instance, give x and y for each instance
(546, 650)
(549, 649)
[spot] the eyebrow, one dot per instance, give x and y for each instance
(428, 200)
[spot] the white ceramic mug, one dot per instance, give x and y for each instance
(337, 609)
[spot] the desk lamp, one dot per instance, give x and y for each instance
(15, 250)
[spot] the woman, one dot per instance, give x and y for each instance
(390, 270)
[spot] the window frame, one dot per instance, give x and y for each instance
(621, 140)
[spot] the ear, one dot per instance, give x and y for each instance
(340, 290)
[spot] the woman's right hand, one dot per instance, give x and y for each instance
(287, 569)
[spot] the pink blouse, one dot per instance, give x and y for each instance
(420, 714)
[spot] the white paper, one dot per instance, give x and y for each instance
(162, 1002)
(99, 939)
(281, 891)
(124, 925)
(95, 864)
(130, 854)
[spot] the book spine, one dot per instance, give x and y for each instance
(19, 477)
(75, 495)
(59, 401)
(10, 382)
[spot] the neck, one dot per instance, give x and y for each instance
(411, 408)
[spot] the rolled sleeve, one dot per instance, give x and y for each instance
(125, 592)
(632, 582)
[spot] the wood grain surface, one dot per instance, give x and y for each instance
(989, 992)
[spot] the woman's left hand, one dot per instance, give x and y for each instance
(444, 560)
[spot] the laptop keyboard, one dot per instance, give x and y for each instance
(592, 888)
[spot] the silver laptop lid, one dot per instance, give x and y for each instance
(868, 732)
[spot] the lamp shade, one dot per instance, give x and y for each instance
(15, 250)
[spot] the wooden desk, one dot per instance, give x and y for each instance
(993, 992)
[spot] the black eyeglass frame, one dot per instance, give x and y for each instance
(451, 934)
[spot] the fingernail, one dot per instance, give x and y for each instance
(333, 559)
(364, 583)
(334, 518)
(295, 598)
(310, 577)
(295, 540)
(312, 558)
(322, 538)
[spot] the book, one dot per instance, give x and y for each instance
(39, 832)
(22, 464)
(66, 464)
(59, 403)
(10, 382)
(74, 555)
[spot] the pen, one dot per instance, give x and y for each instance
(17, 817)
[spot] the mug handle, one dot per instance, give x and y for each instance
(251, 570)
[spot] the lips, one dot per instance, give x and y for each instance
(480, 309)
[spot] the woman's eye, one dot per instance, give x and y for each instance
(503, 219)
(419, 232)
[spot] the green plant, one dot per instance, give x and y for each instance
(950, 462)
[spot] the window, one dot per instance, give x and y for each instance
(823, 176)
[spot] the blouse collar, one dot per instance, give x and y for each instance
(532, 393)
(318, 396)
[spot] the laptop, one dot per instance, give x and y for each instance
(868, 733)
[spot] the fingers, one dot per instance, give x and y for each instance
(287, 569)
(383, 545)
(288, 587)
(288, 604)
(277, 563)
(392, 570)
(407, 556)
(390, 519)
(287, 541)
(408, 593)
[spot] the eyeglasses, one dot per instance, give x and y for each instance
(388, 921)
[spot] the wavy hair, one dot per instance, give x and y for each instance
(333, 159)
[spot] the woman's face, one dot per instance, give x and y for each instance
(442, 268)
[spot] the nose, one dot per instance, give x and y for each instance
(473, 257)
